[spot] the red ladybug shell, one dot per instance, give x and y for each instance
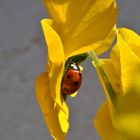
(71, 81)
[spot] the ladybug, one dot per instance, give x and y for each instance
(72, 79)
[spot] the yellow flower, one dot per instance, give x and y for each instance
(75, 27)
(121, 120)
(83, 25)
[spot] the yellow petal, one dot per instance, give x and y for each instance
(121, 71)
(56, 63)
(55, 130)
(111, 73)
(56, 119)
(103, 124)
(42, 92)
(57, 10)
(124, 60)
(128, 120)
(115, 59)
(106, 43)
(53, 41)
(109, 98)
(129, 62)
(131, 38)
(82, 24)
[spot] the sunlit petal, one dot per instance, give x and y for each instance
(111, 74)
(128, 119)
(56, 119)
(80, 30)
(128, 63)
(123, 72)
(53, 41)
(131, 38)
(56, 62)
(104, 126)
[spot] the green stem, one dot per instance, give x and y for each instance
(108, 86)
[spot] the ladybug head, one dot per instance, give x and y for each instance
(73, 66)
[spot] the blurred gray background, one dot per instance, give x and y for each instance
(23, 56)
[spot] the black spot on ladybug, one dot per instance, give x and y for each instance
(75, 83)
(68, 76)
